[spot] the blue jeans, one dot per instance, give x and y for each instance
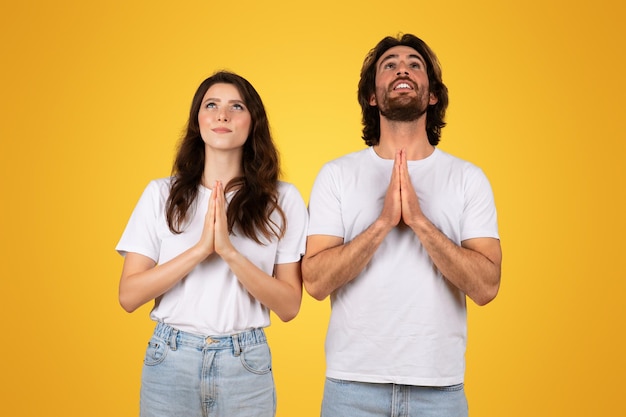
(350, 399)
(196, 376)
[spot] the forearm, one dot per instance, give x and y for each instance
(283, 297)
(141, 284)
(476, 274)
(329, 269)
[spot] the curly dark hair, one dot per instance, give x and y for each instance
(435, 114)
(257, 196)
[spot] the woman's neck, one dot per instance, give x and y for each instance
(221, 166)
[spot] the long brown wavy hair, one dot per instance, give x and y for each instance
(257, 194)
(435, 114)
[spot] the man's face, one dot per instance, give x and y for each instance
(402, 88)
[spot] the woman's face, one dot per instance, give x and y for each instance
(223, 118)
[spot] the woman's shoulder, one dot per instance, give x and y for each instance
(288, 192)
(160, 182)
(159, 186)
(285, 188)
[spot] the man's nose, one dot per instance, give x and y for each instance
(402, 69)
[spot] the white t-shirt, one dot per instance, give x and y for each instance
(399, 321)
(210, 300)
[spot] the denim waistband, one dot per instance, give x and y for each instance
(175, 337)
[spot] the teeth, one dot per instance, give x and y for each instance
(402, 85)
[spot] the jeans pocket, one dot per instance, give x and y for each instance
(257, 358)
(337, 381)
(450, 388)
(155, 352)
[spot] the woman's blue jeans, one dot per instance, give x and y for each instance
(188, 375)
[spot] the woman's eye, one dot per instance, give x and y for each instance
(210, 105)
(237, 107)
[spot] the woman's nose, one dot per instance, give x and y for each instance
(222, 115)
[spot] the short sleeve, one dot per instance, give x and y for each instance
(479, 214)
(325, 216)
(141, 234)
(292, 245)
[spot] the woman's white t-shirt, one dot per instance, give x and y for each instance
(210, 300)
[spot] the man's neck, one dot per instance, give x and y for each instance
(410, 136)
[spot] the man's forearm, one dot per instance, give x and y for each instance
(331, 268)
(474, 267)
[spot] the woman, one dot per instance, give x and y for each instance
(216, 246)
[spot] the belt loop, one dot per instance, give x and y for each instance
(173, 336)
(236, 347)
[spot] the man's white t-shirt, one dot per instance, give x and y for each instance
(399, 321)
(210, 300)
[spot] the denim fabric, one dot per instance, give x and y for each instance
(350, 399)
(188, 375)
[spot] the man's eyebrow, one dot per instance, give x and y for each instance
(418, 57)
(411, 56)
(387, 58)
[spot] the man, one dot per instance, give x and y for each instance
(400, 233)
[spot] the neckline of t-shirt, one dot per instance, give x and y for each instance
(412, 163)
(208, 190)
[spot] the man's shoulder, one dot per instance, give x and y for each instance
(350, 158)
(453, 160)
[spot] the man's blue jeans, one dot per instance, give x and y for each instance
(351, 399)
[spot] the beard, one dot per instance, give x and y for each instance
(403, 108)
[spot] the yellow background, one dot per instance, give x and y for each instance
(95, 94)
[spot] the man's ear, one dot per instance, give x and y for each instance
(373, 100)
(433, 99)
